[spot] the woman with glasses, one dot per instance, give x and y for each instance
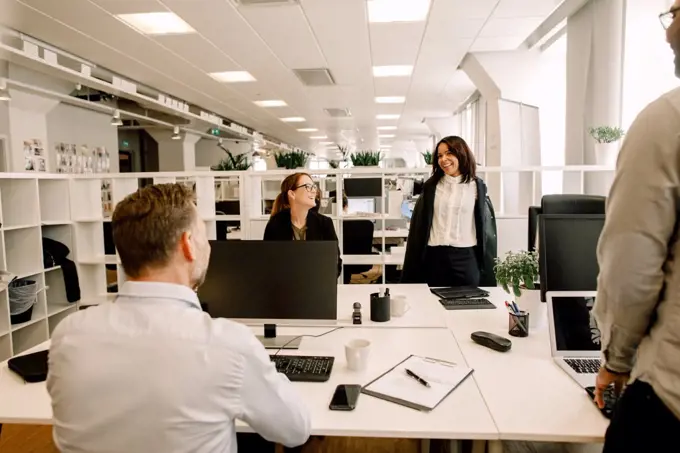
(294, 217)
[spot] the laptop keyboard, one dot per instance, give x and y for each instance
(584, 366)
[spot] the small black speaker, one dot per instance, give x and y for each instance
(270, 330)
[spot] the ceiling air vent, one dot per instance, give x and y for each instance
(264, 2)
(338, 113)
(315, 77)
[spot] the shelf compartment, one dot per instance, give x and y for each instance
(5, 347)
(86, 202)
(55, 205)
(89, 241)
(4, 313)
(19, 202)
(92, 278)
(29, 336)
(60, 233)
(23, 249)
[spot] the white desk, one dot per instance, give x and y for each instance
(528, 395)
(391, 234)
(462, 415)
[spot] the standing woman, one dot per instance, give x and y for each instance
(452, 238)
(295, 217)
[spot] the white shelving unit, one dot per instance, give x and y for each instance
(33, 207)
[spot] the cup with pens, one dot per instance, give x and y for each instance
(518, 320)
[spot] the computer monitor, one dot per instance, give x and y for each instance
(567, 245)
(272, 282)
(363, 187)
(356, 205)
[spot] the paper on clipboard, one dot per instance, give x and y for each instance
(399, 387)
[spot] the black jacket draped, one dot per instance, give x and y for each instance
(319, 228)
(419, 235)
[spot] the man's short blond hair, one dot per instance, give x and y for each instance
(148, 224)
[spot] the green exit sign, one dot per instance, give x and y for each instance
(126, 144)
(215, 131)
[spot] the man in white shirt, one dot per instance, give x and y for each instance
(151, 372)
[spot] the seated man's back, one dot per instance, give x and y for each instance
(151, 372)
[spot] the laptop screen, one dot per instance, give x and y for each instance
(575, 327)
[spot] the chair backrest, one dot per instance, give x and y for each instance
(357, 237)
(562, 204)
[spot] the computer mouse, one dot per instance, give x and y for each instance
(491, 341)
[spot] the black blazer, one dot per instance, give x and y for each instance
(419, 235)
(319, 228)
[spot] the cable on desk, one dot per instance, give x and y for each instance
(303, 336)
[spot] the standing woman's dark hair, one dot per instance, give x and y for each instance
(467, 164)
(290, 183)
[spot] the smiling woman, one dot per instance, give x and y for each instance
(294, 217)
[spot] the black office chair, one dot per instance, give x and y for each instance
(357, 239)
(562, 204)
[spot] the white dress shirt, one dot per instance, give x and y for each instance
(152, 373)
(453, 220)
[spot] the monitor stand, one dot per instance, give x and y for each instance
(280, 342)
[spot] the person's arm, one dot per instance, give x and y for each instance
(414, 246)
(640, 220)
(269, 402)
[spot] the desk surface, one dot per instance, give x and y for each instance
(528, 395)
(462, 415)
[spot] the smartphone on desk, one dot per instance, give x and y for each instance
(345, 397)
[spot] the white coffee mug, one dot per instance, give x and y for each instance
(356, 353)
(398, 306)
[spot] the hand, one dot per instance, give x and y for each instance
(604, 379)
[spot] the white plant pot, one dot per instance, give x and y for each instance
(606, 153)
(530, 301)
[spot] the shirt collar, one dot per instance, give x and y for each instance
(159, 290)
(452, 179)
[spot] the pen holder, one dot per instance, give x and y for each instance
(380, 308)
(518, 324)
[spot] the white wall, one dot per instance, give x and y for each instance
(69, 124)
(27, 122)
(648, 69)
(208, 153)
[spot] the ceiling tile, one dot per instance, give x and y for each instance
(131, 6)
(396, 43)
(522, 26)
(199, 51)
(525, 8)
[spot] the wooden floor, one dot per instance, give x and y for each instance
(38, 439)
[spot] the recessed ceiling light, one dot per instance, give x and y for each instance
(387, 128)
(318, 137)
(386, 136)
(308, 129)
(387, 116)
(385, 146)
(232, 76)
(398, 11)
(293, 119)
(390, 99)
(163, 23)
(325, 143)
(271, 103)
(392, 71)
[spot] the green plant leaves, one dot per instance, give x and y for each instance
(232, 163)
(427, 155)
(518, 270)
(366, 158)
(291, 160)
(606, 134)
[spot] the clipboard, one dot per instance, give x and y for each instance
(396, 386)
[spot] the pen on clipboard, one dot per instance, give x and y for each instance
(417, 378)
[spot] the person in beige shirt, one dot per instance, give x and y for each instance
(638, 295)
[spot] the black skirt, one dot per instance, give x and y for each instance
(451, 266)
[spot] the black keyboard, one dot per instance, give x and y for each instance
(610, 399)
(584, 366)
(304, 368)
(466, 304)
(459, 292)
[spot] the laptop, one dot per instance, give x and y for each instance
(574, 335)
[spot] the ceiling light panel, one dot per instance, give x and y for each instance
(387, 116)
(271, 103)
(232, 76)
(386, 136)
(318, 137)
(325, 143)
(392, 71)
(387, 128)
(159, 23)
(381, 11)
(308, 129)
(390, 99)
(293, 119)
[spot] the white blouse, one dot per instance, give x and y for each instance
(453, 221)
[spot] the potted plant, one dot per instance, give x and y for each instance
(291, 160)
(518, 275)
(606, 146)
(427, 155)
(366, 158)
(232, 163)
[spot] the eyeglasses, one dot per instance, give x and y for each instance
(309, 187)
(668, 17)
